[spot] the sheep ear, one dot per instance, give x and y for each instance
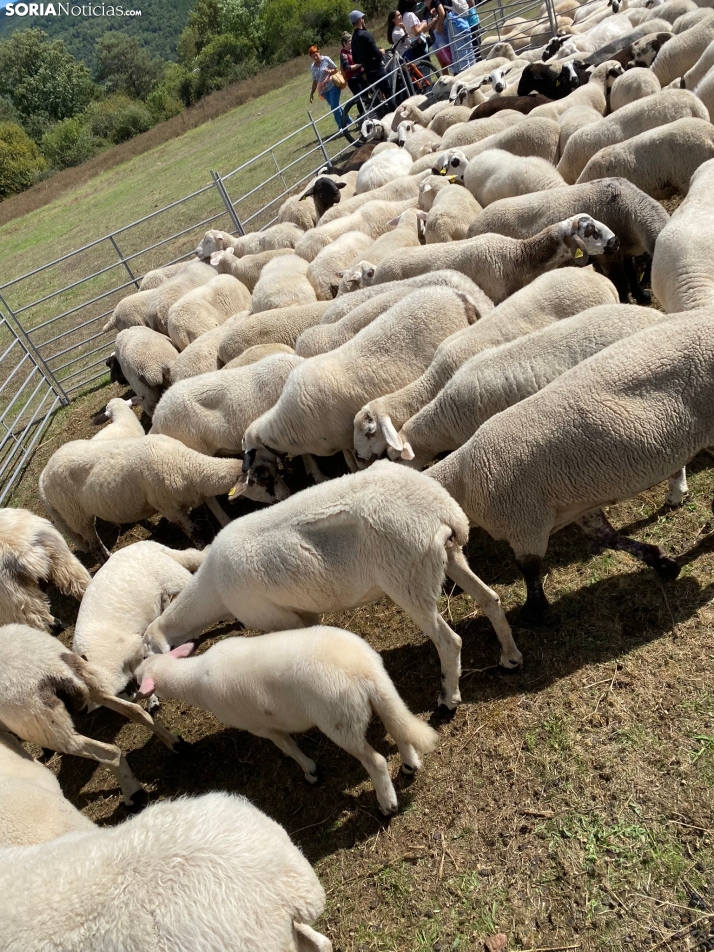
(101, 417)
(578, 250)
(407, 452)
(240, 487)
(393, 223)
(426, 188)
(183, 651)
(390, 434)
(308, 193)
(148, 686)
(341, 184)
(135, 401)
(422, 216)
(341, 274)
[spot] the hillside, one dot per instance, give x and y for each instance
(158, 28)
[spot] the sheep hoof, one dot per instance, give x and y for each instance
(667, 569)
(312, 777)
(533, 614)
(443, 712)
(57, 626)
(389, 809)
(409, 769)
(137, 801)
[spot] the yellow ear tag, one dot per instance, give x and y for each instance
(452, 179)
(442, 172)
(232, 492)
(578, 254)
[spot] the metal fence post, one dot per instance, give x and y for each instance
(319, 139)
(124, 261)
(33, 353)
(218, 182)
(552, 17)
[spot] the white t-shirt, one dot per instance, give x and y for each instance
(459, 7)
(400, 39)
(410, 20)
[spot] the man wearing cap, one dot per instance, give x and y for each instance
(366, 52)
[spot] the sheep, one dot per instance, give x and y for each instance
(496, 174)
(510, 102)
(452, 211)
(384, 147)
(406, 232)
(637, 83)
(284, 235)
(420, 113)
(323, 272)
(500, 265)
(123, 423)
(687, 20)
(33, 808)
(377, 129)
(399, 190)
(467, 133)
(704, 90)
(205, 308)
(594, 93)
(123, 598)
(145, 360)
(33, 553)
(464, 95)
(280, 326)
(572, 120)
(609, 29)
(344, 304)
(445, 119)
(498, 378)
(645, 50)
(151, 308)
(152, 279)
(315, 410)
(283, 283)
(497, 78)
(38, 678)
(210, 413)
(537, 137)
(381, 169)
(325, 194)
(248, 268)
(549, 79)
(641, 115)
(416, 140)
(133, 885)
(290, 681)
(646, 38)
(346, 542)
(672, 10)
(253, 354)
(702, 66)
(634, 217)
(372, 219)
(660, 161)
(124, 481)
(298, 209)
(576, 451)
(682, 52)
(551, 297)
(201, 357)
(449, 170)
(682, 276)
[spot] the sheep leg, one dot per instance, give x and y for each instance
(307, 940)
(288, 746)
(447, 644)
(108, 754)
(218, 511)
(616, 273)
(97, 547)
(139, 716)
(458, 570)
(677, 487)
(312, 469)
(533, 611)
(633, 281)
(351, 460)
(376, 767)
(182, 520)
(596, 526)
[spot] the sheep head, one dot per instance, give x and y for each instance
(583, 236)
(359, 276)
(404, 130)
(260, 480)
(452, 164)
(214, 240)
(374, 434)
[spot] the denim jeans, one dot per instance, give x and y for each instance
(332, 95)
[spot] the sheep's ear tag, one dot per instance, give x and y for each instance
(442, 171)
(578, 253)
(452, 179)
(557, 82)
(239, 488)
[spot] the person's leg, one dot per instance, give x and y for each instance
(333, 99)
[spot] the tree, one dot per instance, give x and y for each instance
(20, 160)
(204, 23)
(41, 78)
(124, 66)
(69, 143)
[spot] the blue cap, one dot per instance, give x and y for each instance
(355, 16)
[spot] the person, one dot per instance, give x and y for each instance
(367, 54)
(437, 27)
(474, 22)
(322, 71)
(353, 72)
(416, 32)
(458, 32)
(397, 35)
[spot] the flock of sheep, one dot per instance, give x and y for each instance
(413, 317)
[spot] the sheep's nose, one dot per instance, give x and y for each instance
(613, 244)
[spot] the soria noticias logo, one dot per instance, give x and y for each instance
(67, 10)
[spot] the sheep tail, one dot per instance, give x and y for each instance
(191, 559)
(110, 325)
(403, 726)
(66, 571)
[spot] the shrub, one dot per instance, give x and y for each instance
(117, 118)
(69, 143)
(20, 160)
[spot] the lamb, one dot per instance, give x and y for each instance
(280, 326)
(123, 598)
(38, 677)
(462, 94)
(660, 162)
(500, 265)
(537, 137)
(145, 360)
(682, 52)
(416, 140)
(205, 308)
(315, 410)
(283, 283)
(444, 277)
(248, 268)
(498, 104)
(415, 112)
(682, 274)
(406, 232)
(123, 423)
(290, 681)
(381, 169)
(687, 20)
(124, 481)
(498, 378)
(201, 357)
(371, 219)
(346, 542)
(496, 174)
(551, 297)
(253, 354)
(634, 217)
(635, 84)
(672, 10)
(284, 235)
(594, 93)
(641, 115)
(377, 129)
(151, 308)
(33, 553)
(210, 413)
(576, 450)
(609, 29)
(33, 808)
(257, 891)
(467, 133)
(323, 272)
(644, 51)
(452, 211)
(449, 170)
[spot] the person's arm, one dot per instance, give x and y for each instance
(312, 91)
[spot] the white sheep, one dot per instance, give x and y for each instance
(201, 357)
(248, 268)
(152, 279)
(450, 172)
(406, 231)
(682, 272)
(33, 553)
(323, 272)
(704, 90)
(37, 677)
(636, 83)
(345, 542)
(123, 422)
(399, 190)
(576, 451)
(33, 808)
(123, 481)
(381, 169)
(468, 133)
(702, 66)
(551, 297)
(643, 114)
(496, 174)
(497, 378)
(123, 598)
(373, 219)
(445, 119)
(204, 873)
(660, 162)
(573, 119)
(253, 354)
(291, 681)
(145, 360)
(420, 113)
(680, 54)
(283, 325)
(378, 130)
(452, 211)
(416, 140)
(284, 235)
(205, 308)
(466, 94)
(611, 28)
(537, 137)
(283, 282)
